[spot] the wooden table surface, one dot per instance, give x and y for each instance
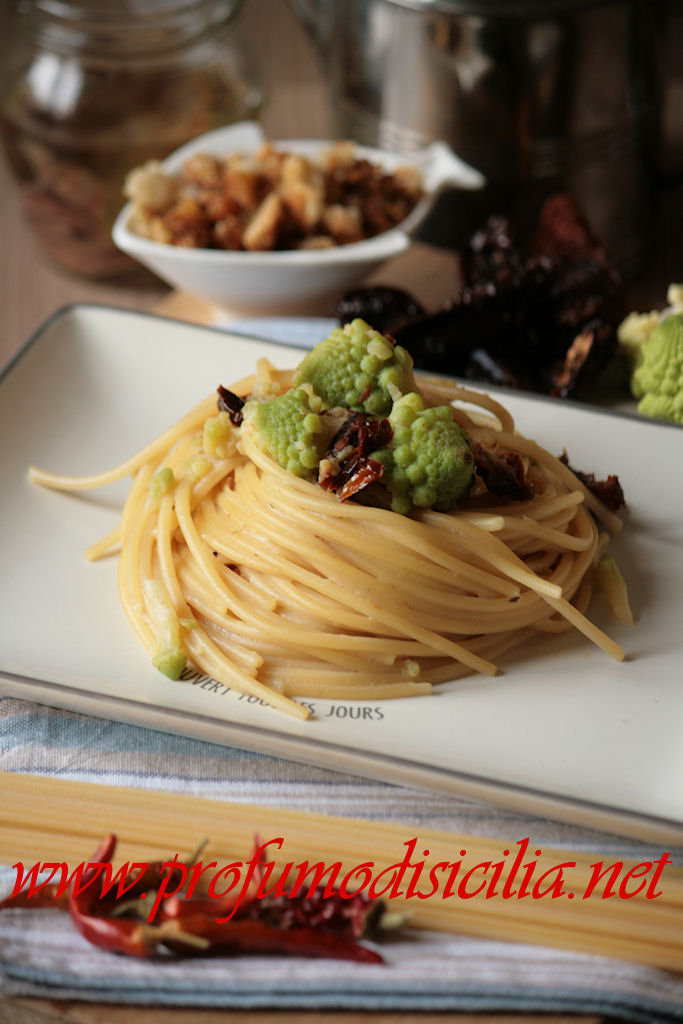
(31, 289)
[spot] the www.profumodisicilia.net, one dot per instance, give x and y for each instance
(519, 874)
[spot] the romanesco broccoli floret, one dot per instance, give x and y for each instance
(636, 328)
(658, 378)
(429, 463)
(291, 429)
(358, 368)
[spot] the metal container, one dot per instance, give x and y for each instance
(539, 95)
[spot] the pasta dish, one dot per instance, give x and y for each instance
(345, 530)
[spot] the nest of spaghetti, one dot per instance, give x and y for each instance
(320, 565)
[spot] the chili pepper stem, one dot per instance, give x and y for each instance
(170, 930)
(137, 907)
(390, 920)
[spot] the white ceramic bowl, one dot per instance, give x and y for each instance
(284, 281)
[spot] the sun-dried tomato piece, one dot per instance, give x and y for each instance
(379, 305)
(608, 491)
(563, 233)
(367, 473)
(346, 466)
(523, 314)
(503, 472)
(230, 403)
(493, 256)
(590, 349)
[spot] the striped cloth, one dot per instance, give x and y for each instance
(40, 953)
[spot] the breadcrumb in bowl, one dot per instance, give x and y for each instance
(277, 249)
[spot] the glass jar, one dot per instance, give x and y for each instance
(96, 87)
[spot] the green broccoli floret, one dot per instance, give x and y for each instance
(658, 378)
(429, 463)
(356, 367)
(292, 430)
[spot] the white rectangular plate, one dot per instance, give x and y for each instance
(562, 731)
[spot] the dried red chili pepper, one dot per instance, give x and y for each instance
(249, 935)
(116, 934)
(50, 895)
(303, 926)
(350, 917)
(157, 874)
(219, 907)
